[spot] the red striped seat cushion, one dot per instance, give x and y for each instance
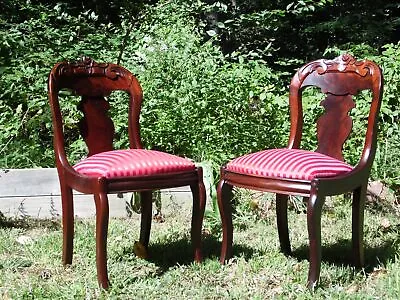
(288, 163)
(132, 162)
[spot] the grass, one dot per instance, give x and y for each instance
(30, 258)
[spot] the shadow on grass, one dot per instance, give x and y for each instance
(167, 254)
(29, 223)
(340, 254)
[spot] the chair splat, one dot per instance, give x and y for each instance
(332, 137)
(96, 127)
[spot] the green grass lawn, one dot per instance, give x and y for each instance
(30, 258)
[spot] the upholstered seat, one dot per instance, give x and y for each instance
(288, 163)
(132, 162)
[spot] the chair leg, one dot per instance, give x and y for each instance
(68, 223)
(359, 196)
(102, 216)
(314, 209)
(199, 204)
(146, 203)
(224, 196)
(282, 222)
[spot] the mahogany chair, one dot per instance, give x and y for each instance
(106, 170)
(313, 175)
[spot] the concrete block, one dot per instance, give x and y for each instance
(36, 193)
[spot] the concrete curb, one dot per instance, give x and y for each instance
(36, 193)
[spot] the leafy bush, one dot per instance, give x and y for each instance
(198, 101)
(30, 46)
(388, 155)
(286, 32)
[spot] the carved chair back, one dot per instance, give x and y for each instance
(339, 80)
(94, 83)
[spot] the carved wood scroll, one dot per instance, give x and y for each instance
(87, 78)
(343, 63)
(88, 67)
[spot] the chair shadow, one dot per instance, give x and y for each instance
(166, 255)
(339, 253)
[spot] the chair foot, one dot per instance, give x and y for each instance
(104, 284)
(312, 284)
(198, 255)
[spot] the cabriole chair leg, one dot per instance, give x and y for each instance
(102, 216)
(224, 195)
(199, 202)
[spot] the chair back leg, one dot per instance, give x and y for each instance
(359, 196)
(146, 204)
(282, 223)
(67, 222)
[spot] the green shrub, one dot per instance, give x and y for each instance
(30, 45)
(196, 103)
(388, 155)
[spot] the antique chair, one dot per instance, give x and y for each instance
(310, 174)
(106, 170)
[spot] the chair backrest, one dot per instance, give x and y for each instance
(339, 79)
(93, 82)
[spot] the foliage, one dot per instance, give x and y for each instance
(388, 156)
(29, 48)
(197, 104)
(215, 77)
(214, 73)
(282, 32)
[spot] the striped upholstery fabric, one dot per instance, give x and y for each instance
(288, 163)
(132, 162)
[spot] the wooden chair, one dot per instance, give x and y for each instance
(110, 171)
(314, 175)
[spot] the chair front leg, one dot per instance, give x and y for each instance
(199, 203)
(102, 216)
(359, 196)
(67, 222)
(146, 202)
(314, 210)
(224, 196)
(282, 222)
